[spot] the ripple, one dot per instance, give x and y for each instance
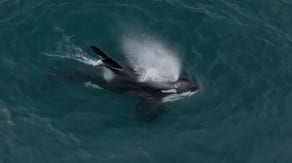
(5, 115)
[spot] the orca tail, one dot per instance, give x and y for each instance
(106, 60)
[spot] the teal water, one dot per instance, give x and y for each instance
(238, 51)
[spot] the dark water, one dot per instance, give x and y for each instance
(239, 51)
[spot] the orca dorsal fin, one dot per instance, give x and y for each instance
(106, 60)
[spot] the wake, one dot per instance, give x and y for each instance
(68, 50)
(153, 61)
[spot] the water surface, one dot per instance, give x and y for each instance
(238, 51)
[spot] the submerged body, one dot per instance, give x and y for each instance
(151, 93)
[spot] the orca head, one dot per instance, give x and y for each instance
(183, 85)
(180, 89)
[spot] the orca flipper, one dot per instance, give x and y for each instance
(148, 110)
(106, 60)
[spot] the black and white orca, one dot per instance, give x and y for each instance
(152, 95)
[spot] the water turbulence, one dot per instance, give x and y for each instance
(153, 61)
(68, 50)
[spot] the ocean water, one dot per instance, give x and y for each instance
(239, 52)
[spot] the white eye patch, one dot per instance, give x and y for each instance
(175, 96)
(169, 91)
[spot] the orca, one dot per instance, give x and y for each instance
(152, 95)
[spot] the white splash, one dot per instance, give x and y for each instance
(151, 59)
(92, 85)
(68, 50)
